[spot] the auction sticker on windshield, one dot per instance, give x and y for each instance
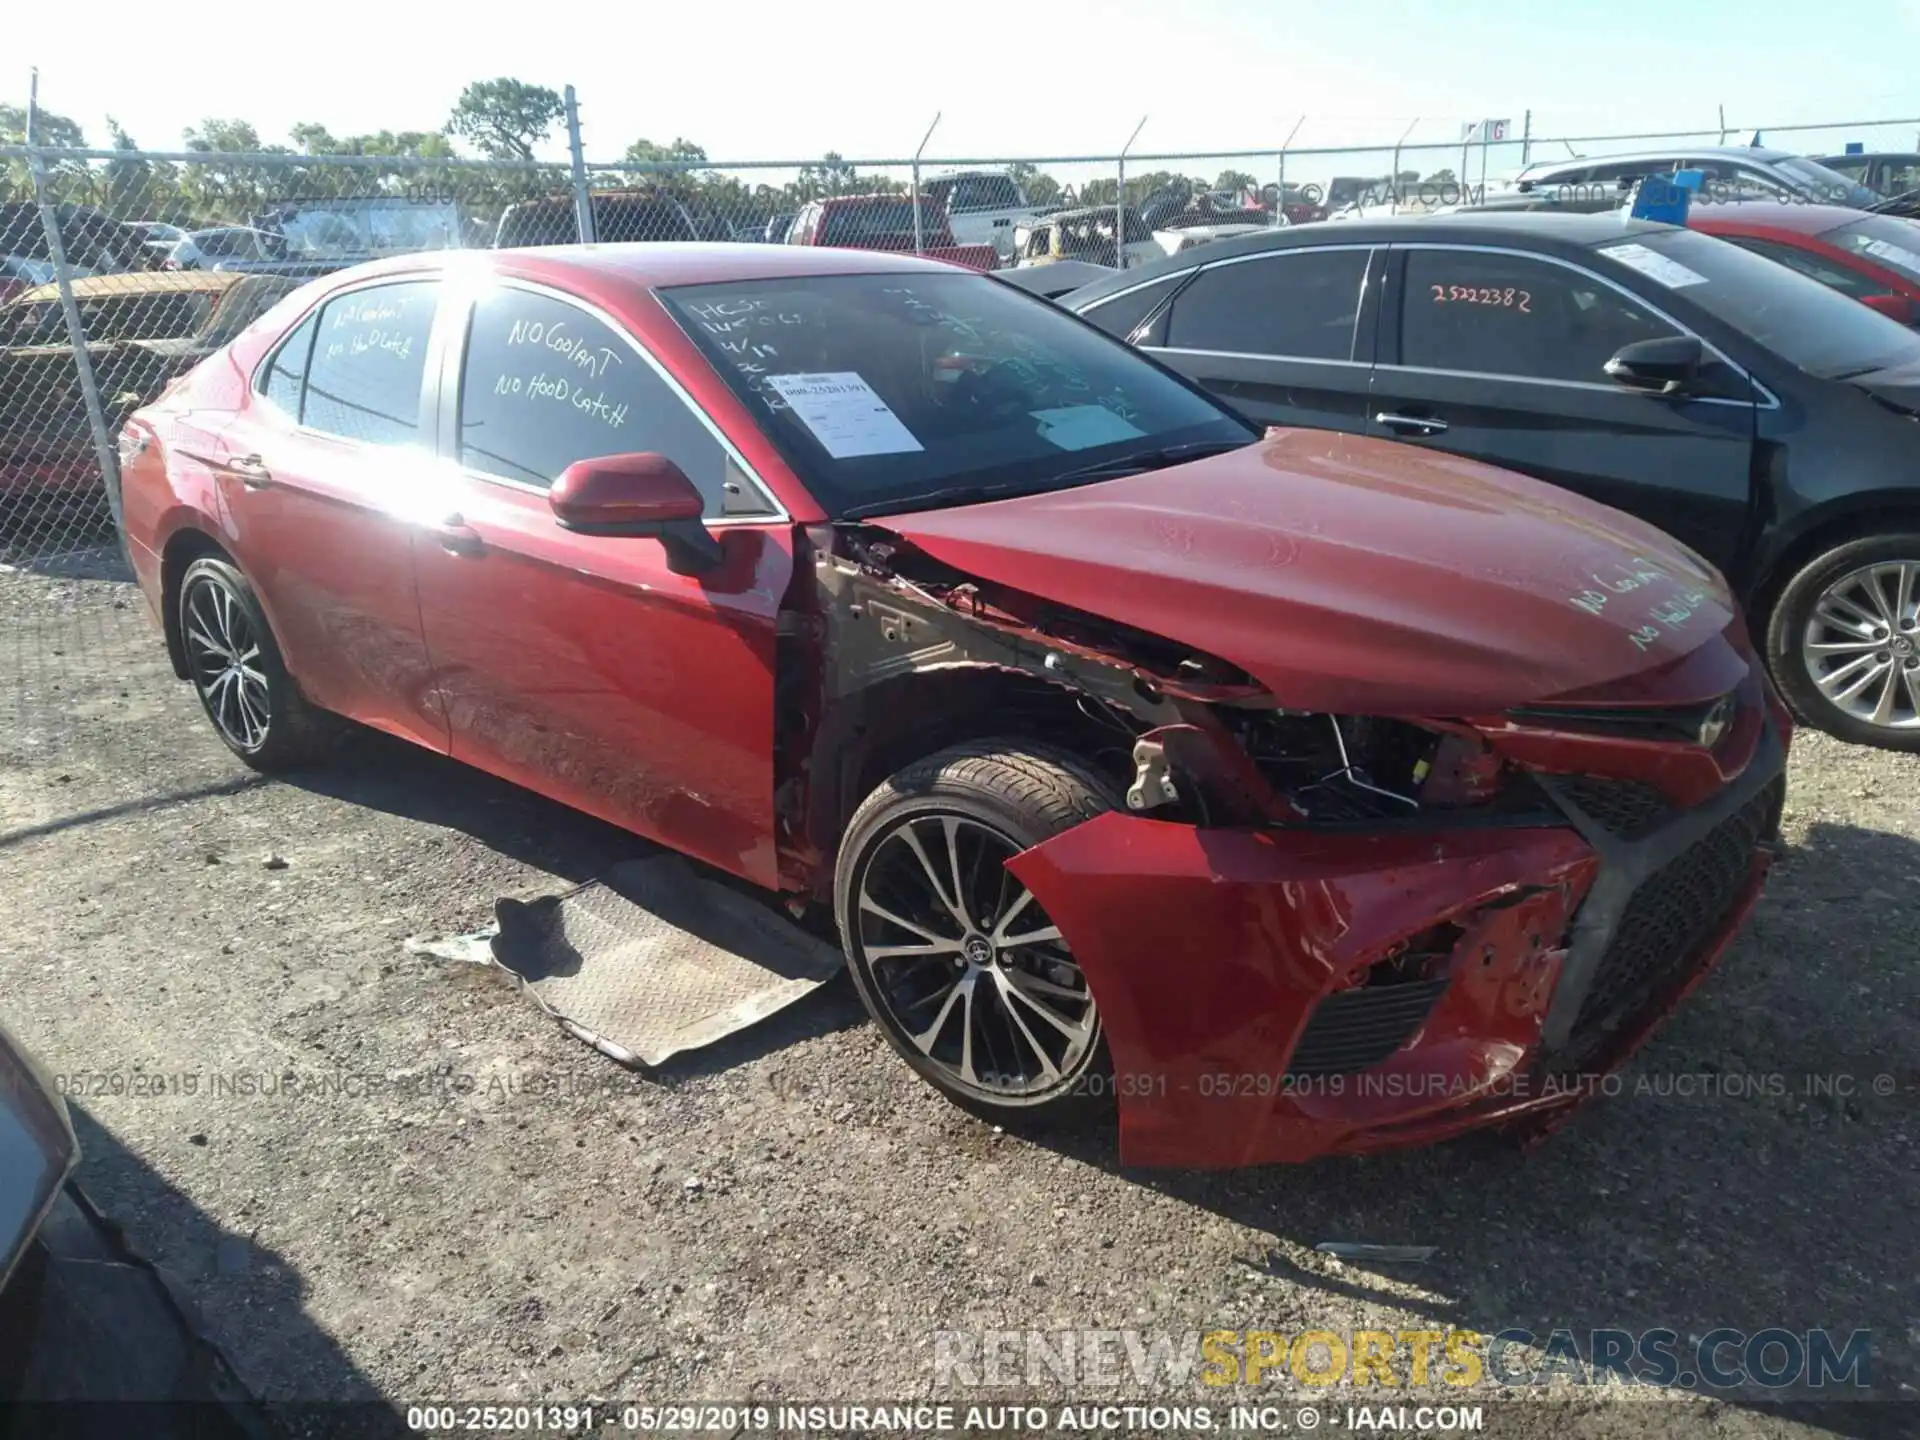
(844, 414)
(1080, 427)
(1670, 273)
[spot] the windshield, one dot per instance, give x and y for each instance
(1803, 322)
(1885, 239)
(1820, 183)
(880, 390)
(350, 231)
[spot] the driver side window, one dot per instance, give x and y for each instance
(1494, 313)
(544, 383)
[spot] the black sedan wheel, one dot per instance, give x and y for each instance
(1844, 642)
(237, 671)
(958, 963)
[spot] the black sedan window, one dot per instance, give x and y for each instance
(1803, 322)
(1498, 313)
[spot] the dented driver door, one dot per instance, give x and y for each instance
(581, 666)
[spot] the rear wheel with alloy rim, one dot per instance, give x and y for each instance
(236, 669)
(956, 960)
(1844, 642)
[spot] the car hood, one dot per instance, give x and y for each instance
(1357, 576)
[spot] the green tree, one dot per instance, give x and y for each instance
(505, 118)
(138, 189)
(48, 128)
(1039, 187)
(1234, 181)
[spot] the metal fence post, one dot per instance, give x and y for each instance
(103, 443)
(1120, 198)
(582, 200)
(1280, 200)
(1526, 138)
(919, 230)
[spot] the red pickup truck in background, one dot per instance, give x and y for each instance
(885, 222)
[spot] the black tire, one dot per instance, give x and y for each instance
(293, 733)
(1023, 795)
(1787, 630)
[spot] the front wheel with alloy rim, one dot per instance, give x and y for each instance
(1843, 642)
(957, 961)
(237, 671)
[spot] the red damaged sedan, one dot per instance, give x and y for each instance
(1296, 793)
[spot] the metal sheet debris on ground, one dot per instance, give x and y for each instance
(649, 961)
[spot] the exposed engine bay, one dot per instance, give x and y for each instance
(1186, 735)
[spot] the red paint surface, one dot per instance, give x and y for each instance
(1351, 575)
(1801, 227)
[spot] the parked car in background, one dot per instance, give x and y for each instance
(619, 217)
(1184, 233)
(1731, 173)
(142, 331)
(882, 587)
(981, 207)
(885, 222)
(161, 237)
(357, 228)
(18, 273)
(1297, 203)
(775, 232)
(1874, 259)
(1885, 172)
(1084, 234)
(1763, 419)
(247, 250)
(93, 241)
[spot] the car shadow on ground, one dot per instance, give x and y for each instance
(384, 773)
(138, 1297)
(1777, 1191)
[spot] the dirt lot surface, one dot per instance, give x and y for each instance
(450, 1198)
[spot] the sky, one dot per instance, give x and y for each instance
(775, 79)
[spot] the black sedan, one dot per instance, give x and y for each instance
(1766, 421)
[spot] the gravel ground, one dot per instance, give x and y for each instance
(465, 1203)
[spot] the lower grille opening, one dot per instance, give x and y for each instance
(1669, 918)
(1627, 808)
(1354, 1030)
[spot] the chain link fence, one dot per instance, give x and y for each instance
(122, 269)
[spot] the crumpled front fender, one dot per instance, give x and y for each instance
(1208, 949)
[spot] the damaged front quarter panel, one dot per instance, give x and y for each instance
(911, 658)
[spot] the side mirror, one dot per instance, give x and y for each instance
(1664, 367)
(1894, 307)
(643, 494)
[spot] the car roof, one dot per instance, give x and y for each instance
(1870, 155)
(1677, 152)
(1533, 229)
(662, 264)
(1775, 215)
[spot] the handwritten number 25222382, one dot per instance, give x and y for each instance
(1509, 298)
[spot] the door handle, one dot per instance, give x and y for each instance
(252, 471)
(457, 537)
(1411, 424)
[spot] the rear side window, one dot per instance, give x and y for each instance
(1492, 313)
(287, 371)
(545, 383)
(1296, 305)
(1122, 315)
(369, 357)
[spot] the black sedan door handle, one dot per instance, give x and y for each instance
(1410, 424)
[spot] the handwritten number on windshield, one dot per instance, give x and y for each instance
(1508, 299)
